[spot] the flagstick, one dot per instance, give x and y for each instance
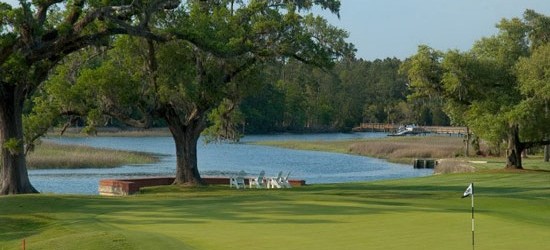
(473, 222)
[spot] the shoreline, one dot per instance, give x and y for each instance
(50, 155)
(393, 149)
(401, 150)
(405, 150)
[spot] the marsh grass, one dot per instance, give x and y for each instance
(410, 147)
(52, 155)
(114, 132)
(395, 149)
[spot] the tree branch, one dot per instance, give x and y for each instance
(145, 122)
(71, 121)
(202, 45)
(229, 77)
(533, 144)
(6, 51)
(42, 11)
(76, 11)
(54, 50)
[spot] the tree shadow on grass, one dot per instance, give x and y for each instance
(245, 207)
(19, 227)
(320, 200)
(271, 207)
(315, 204)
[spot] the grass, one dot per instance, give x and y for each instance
(395, 149)
(411, 147)
(51, 155)
(114, 132)
(512, 212)
(405, 149)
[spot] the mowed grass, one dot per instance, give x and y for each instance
(52, 155)
(512, 212)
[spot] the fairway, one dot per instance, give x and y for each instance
(512, 212)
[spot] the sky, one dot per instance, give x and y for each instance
(395, 28)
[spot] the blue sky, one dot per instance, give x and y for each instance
(395, 28)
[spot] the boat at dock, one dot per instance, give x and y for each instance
(409, 130)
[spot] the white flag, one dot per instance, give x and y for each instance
(469, 191)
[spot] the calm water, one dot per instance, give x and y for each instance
(225, 159)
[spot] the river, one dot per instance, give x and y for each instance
(224, 159)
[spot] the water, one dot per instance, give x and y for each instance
(225, 159)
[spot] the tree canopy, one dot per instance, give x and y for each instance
(37, 35)
(490, 87)
(214, 57)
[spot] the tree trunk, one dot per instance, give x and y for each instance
(186, 137)
(515, 148)
(546, 153)
(14, 178)
(467, 142)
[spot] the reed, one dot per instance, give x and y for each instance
(395, 149)
(52, 155)
(406, 148)
(114, 132)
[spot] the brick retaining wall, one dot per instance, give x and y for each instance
(131, 186)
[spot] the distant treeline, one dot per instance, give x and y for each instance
(296, 97)
(303, 98)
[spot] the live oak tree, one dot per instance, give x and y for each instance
(242, 39)
(534, 81)
(491, 88)
(215, 53)
(33, 39)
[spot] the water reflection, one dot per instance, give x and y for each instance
(225, 159)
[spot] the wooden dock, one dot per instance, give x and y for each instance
(392, 128)
(424, 163)
(445, 130)
(376, 127)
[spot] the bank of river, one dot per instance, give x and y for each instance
(50, 155)
(225, 159)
